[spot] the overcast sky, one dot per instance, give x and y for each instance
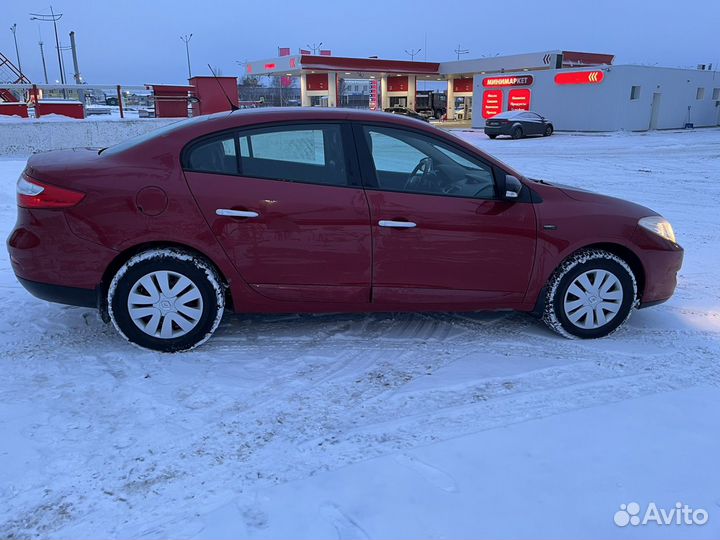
(138, 41)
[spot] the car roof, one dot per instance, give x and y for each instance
(509, 114)
(248, 117)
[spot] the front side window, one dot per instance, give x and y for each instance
(216, 155)
(311, 154)
(413, 163)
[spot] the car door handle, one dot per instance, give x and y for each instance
(236, 213)
(397, 224)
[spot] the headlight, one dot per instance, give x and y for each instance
(660, 226)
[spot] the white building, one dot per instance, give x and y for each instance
(610, 98)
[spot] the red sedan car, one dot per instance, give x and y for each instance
(310, 210)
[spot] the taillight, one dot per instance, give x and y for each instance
(36, 194)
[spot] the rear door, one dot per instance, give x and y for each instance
(288, 209)
(440, 234)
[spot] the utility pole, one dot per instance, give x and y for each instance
(42, 55)
(73, 47)
(54, 18)
(412, 53)
(13, 29)
(460, 51)
(315, 47)
(186, 39)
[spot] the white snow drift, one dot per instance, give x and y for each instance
(388, 425)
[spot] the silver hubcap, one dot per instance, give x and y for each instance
(593, 299)
(165, 304)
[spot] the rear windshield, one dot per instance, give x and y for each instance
(151, 135)
(508, 114)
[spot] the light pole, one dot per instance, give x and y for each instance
(314, 47)
(412, 53)
(54, 18)
(186, 38)
(13, 29)
(460, 51)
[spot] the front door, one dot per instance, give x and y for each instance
(281, 204)
(440, 234)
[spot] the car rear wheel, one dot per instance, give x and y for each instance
(548, 131)
(517, 133)
(590, 295)
(166, 299)
(492, 136)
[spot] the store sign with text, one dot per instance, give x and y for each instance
(512, 80)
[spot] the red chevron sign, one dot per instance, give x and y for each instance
(580, 77)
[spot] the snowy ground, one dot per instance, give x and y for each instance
(391, 425)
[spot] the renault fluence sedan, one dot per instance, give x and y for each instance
(309, 210)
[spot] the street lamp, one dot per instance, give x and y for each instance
(412, 53)
(13, 29)
(314, 47)
(54, 18)
(186, 38)
(460, 51)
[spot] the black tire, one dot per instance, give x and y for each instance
(205, 300)
(492, 136)
(559, 295)
(517, 133)
(548, 130)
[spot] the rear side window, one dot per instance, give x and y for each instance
(298, 153)
(215, 155)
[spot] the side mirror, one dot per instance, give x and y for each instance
(513, 187)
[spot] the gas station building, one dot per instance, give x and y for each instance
(577, 91)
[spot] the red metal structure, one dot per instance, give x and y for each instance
(171, 101)
(213, 93)
(71, 109)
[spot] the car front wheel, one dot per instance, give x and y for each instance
(590, 295)
(166, 299)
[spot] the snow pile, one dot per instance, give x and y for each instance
(29, 135)
(385, 425)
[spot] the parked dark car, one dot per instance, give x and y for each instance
(518, 124)
(407, 112)
(324, 210)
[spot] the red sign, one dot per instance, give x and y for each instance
(492, 103)
(270, 66)
(317, 81)
(373, 94)
(283, 51)
(463, 85)
(519, 99)
(304, 52)
(397, 84)
(511, 80)
(325, 52)
(293, 63)
(580, 77)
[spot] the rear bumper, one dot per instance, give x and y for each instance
(72, 296)
(43, 249)
(497, 130)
